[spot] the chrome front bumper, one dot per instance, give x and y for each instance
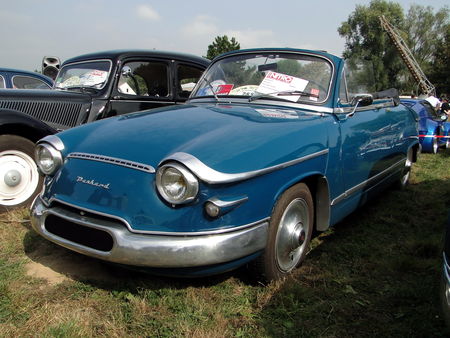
(158, 251)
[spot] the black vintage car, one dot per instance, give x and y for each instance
(88, 88)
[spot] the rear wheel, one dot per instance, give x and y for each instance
(290, 230)
(20, 180)
(435, 146)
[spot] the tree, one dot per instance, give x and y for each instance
(370, 50)
(440, 72)
(426, 38)
(220, 45)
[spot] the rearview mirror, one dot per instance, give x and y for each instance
(126, 71)
(362, 100)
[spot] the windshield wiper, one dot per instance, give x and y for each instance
(83, 89)
(281, 93)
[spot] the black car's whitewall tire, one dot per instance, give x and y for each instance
(290, 231)
(20, 180)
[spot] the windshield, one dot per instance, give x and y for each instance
(281, 76)
(92, 74)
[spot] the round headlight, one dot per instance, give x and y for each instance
(176, 184)
(48, 159)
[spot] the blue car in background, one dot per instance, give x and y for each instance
(270, 147)
(22, 79)
(434, 132)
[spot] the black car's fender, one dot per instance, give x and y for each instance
(17, 123)
(20, 180)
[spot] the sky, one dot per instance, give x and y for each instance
(32, 29)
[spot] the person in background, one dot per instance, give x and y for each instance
(434, 101)
(445, 107)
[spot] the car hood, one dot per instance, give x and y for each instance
(227, 138)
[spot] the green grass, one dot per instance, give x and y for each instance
(375, 274)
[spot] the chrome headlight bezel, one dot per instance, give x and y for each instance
(44, 152)
(187, 182)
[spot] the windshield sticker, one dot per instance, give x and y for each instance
(244, 90)
(71, 82)
(275, 83)
(315, 94)
(224, 89)
(278, 114)
(94, 77)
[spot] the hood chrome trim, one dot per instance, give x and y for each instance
(54, 141)
(113, 160)
(211, 176)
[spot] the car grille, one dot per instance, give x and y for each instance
(60, 115)
(72, 224)
(80, 234)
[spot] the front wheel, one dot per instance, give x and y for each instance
(20, 180)
(290, 230)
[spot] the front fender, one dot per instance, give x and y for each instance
(18, 123)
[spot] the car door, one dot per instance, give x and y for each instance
(142, 83)
(370, 135)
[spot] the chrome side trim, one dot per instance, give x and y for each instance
(368, 182)
(54, 141)
(162, 233)
(227, 204)
(346, 110)
(212, 176)
(113, 160)
(155, 250)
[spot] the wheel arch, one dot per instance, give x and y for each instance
(20, 124)
(319, 188)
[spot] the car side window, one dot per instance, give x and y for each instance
(187, 78)
(2, 82)
(28, 82)
(354, 81)
(144, 78)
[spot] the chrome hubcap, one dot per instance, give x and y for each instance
(19, 177)
(292, 234)
(12, 178)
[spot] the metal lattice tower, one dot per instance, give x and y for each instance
(407, 57)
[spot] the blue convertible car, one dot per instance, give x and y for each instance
(272, 145)
(434, 132)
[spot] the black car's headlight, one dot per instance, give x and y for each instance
(48, 158)
(176, 184)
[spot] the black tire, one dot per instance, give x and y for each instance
(20, 181)
(290, 230)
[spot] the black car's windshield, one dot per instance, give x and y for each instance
(293, 77)
(76, 76)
